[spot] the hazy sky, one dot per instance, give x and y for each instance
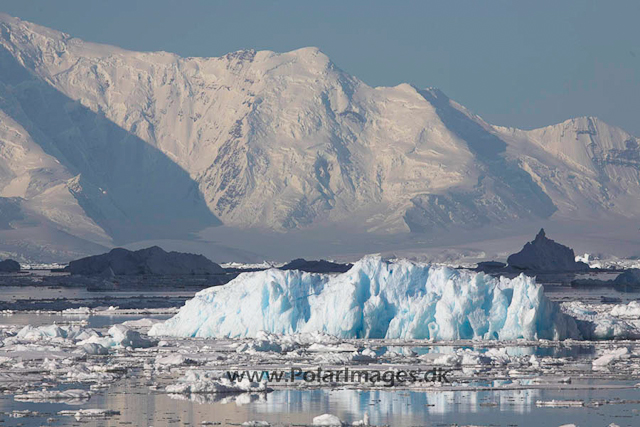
(516, 63)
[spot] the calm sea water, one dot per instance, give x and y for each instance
(140, 406)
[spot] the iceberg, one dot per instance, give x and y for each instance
(374, 299)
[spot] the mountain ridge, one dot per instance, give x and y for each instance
(276, 141)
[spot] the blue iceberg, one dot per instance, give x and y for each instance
(374, 299)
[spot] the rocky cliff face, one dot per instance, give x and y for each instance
(109, 145)
(543, 254)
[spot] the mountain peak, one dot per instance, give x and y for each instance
(278, 141)
(12, 24)
(312, 57)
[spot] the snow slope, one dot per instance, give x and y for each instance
(375, 299)
(114, 145)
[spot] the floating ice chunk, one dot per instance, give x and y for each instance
(498, 356)
(374, 299)
(365, 356)
(206, 382)
(327, 420)
(125, 337)
(53, 395)
(609, 328)
(255, 424)
(23, 414)
(141, 323)
(264, 342)
(598, 322)
(120, 336)
(451, 359)
(631, 310)
(80, 311)
(93, 413)
(611, 356)
(560, 403)
(93, 349)
(174, 359)
(31, 333)
(551, 380)
(463, 357)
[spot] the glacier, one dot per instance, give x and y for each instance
(374, 299)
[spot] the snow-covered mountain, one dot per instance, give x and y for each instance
(108, 145)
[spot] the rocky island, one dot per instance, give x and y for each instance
(546, 255)
(149, 261)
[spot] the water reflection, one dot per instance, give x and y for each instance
(576, 350)
(138, 405)
(385, 407)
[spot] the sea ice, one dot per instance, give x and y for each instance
(74, 333)
(604, 322)
(631, 310)
(611, 356)
(120, 336)
(82, 414)
(53, 395)
(374, 299)
(560, 403)
(207, 382)
(93, 349)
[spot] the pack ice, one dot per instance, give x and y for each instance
(374, 299)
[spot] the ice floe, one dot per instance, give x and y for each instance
(119, 336)
(89, 414)
(209, 382)
(54, 395)
(611, 356)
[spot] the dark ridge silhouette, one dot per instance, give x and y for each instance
(488, 266)
(629, 281)
(543, 254)
(149, 261)
(9, 266)
(314, 266)
(127, 186)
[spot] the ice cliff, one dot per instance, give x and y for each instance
(374, 299)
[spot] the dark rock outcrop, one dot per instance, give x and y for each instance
(9, 266)
(490, 266)
(544, 254)
(629, 281)
(314, 266)
(153, 261)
